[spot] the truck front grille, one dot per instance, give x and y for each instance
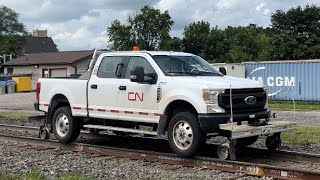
(238, 100)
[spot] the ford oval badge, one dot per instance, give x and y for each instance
(250, 100)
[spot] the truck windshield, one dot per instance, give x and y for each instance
(185, 66)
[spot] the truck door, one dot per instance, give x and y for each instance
(138, 101)
(103, 88)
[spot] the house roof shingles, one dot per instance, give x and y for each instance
(63, 57)
(39, 45)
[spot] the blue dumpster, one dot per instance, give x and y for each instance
(2, 87)
(11, 86)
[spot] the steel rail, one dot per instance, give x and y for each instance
(209, 163)
(4, 127)
(282, 154)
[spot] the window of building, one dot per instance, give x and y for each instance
(10, 70)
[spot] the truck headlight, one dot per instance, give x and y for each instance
(210, 97)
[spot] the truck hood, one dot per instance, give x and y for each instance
(217, 82)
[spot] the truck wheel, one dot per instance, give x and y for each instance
(65, 127)
(184, 134)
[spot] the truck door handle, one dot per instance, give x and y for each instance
(94, 86)
(122, 87)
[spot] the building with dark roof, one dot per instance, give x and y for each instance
(39, 42)
(53, 64)
(38, 45)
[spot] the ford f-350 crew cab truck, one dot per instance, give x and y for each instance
(178, 95)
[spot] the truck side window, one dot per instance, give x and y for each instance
(138, 61)
(108, 66)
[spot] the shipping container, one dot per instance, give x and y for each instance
(235, 70)
(288, 80)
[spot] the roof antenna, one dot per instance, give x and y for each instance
(94, 52)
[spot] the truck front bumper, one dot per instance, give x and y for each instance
(244, 130)
(212, 121)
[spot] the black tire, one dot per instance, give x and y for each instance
(247, 141)
(197, 134)
(74, 125)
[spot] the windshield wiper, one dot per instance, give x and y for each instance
(208, 73)
(181, 72)
(195, 73)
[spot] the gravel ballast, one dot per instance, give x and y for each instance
(57, 163)
(21, 160)
(300, 117)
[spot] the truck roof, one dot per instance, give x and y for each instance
(152, 53)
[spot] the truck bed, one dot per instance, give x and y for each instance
(73, 89)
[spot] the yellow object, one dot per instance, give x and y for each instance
(22, 83)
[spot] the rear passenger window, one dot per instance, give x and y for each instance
(108, 66)
(138, 61)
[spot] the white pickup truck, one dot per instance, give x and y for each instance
(178, 95)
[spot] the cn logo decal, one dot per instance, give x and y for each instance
(134, 96)
(271, 81)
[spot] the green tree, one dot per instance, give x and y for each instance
(11, 32)
(119, 36)
(298, 34)
(215, 46)
(171, 44)
(233, 44)
(195, 35)
(147, 29)
(247, 44)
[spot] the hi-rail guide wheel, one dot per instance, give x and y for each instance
(227, 150)
(273, 142)
(44, 132)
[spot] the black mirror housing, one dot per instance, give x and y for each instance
(137, 74)
(223, 70)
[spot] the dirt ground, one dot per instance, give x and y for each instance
(21, 103)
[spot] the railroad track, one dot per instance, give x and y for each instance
(169, 158)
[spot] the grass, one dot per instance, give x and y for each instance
(302, 135)
(14, 116)
(287, 106)
(33, 175)
(36, 175)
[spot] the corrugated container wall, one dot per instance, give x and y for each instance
(287, 80)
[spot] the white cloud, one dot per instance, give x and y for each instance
(81, 24)
(224, 4)
(263, 8)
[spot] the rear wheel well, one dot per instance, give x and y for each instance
(57, 101)
(173, 108)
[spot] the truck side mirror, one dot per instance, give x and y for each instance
(223, 70)
(137, 74)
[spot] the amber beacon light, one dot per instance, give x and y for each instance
(135, 48)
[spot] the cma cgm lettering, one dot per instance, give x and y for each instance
(287, 80)
(276, 81)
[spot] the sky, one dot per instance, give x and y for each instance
(82, 24)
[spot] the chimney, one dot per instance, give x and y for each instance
(40, 33)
